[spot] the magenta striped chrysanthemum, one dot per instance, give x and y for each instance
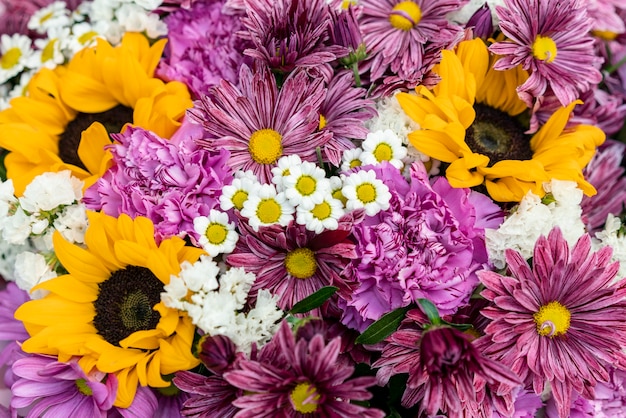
(259, 123)
(560, 321)
(551, 39)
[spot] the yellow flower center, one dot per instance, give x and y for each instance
(322, 211)
(10, 58)
(83, 388)
(405, 15)
(322, 122)
(265, 146)
(366, 193)
(337, 194)
(46, 17)
(604, 34)
(216, 233)
(304, 398)
(544, 48)
(306, 185)
(86, 37)
(269, 211)
(48, 51)
(239, 198)
(300, 263)
(347, 3)
(552, 319)
(383, 152)
(355, 163)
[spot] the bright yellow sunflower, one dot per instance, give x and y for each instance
(108, 307)
(64, 121)
(470, 120)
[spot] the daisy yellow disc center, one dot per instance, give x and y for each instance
(87, 36)
(544, 48)
(322, 122)
(300, 263)
(48, 51)
(216, 233)
(322, 211)
(405, 15)
(10, 58)
(265, 146)
(355, 163)
(338, 194)
(239, 198)
(304, 398)
(366, 193)
(306, 185)
(552, 319)
(383, 152)
(269, 211)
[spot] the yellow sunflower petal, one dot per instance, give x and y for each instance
(91, 148)
(127, 387)
(79, 262)
(144, 340)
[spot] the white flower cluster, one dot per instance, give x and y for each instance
(51, 202)
(613, 236)
(64, 33)
(533, 218)
(215, 300)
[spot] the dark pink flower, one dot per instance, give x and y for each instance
(560, 321)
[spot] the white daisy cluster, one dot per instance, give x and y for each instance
(51, 202)
(534, 217)
(301, 191)
(613, 235)
(64, 33)
(215, 299)
(378, 146)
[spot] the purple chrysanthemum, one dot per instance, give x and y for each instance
(343, 113)
(579, 408)
(610, 399)
(291, 34)
(159, 179)
(548, 329)
(396, 32)
(295, 378)
(202, 47)
(551, 40)
(445, 369)
(428, 244)
(605, 172)
(260, 123)
(292, 262)
(60, 389)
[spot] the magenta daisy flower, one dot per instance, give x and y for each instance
(291, 34)
(296, 378)
(548, 329)
(445, 370)
(550, 39)
(396, 32)
(259, 124)
(292, 262)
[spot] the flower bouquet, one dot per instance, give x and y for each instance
(312, 208)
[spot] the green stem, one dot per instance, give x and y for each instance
(615, 66)
(357, 76)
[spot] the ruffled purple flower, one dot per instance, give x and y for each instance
(580, 408)
(203, 47)
(428, 244)
(610, 396)
(170, 183)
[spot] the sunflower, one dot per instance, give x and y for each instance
(108, 308)
(471, 120)
(64, 120)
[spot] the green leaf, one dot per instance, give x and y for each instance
(430, 310)
(382, 328)
(314, 301)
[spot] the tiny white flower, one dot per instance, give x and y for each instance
(54, 15)
(324, 215)
(306, 185)
(282, 169)
(48, 191)
(201, 275)
(382, 146)
(7, 198)
(267, 207)
(72, 223)
(351, 158)
(363, 190)
(217, 234)
(30, 270)
(15, 51)
(16, 228)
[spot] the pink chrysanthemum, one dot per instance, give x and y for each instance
(550, 39)
(445, 370)
(260, 123)
(293, 262)
(299, 378)
(560, 321)
(396, 32)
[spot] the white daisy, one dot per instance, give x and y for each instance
(363, 190)
(306, 185)
(382, 146)
(54, 15)
(282, 169)
(351, 158)
(236, 194)
(49, 51)
(84, 35)
(217, 234)
(15, 51)
(267, 207)
(324, 215)
(336, 184)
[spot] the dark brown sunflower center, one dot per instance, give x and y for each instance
(113, 120)
(498, 136)
(125, 302)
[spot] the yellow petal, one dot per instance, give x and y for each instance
(91, 148)
(79, 262)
